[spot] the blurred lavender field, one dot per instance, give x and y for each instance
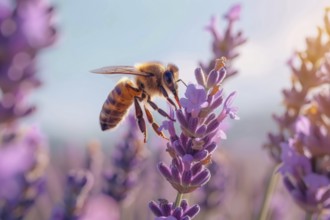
(227, 156)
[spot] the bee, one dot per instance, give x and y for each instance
(151, 79)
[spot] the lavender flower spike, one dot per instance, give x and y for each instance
(23, 159)
(304, 138)
(308, 93)
(78, 186)
(26, 29)
(225, 45)
(191, 150)
(127, 161)
(167, 211)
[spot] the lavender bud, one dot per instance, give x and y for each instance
(212, 79)
(200, 76)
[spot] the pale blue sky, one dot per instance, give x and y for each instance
(99, 33)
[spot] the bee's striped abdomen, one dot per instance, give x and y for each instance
(116, 105)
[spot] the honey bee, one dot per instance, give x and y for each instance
(151, 79)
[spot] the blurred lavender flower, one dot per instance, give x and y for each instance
(305, 166)
(78, 186)
(225, 45)
(168, 211)
(303, 141)
(101, 207)
(192, 149)
(25, 29)
(310, 73)
(126, 160)
(23, 159)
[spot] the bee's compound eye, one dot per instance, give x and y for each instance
(168, 77)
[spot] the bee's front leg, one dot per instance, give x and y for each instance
(159, 110)
(139, 116)
(162, 89)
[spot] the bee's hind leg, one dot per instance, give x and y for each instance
(139, 116)
(154, 125)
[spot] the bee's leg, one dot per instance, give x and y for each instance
(167, 97)
(139, 116)
(154, 125)
(159, 110)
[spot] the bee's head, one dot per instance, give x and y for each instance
(170, 79)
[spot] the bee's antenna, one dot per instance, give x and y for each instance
(180, 80)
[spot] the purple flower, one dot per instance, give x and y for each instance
(294, 163)
(234, 13)
(183, 176)
(36, 22)
(127, 160)
(23, 159)
(195, 99)
(323, 102)
(225, 45)
(309, 189)
(26, 29)
(306, 102)
(78, 186)
(305, 166)
(165, 210)
(191, 149)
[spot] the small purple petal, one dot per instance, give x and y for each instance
(177, 213)
(193, 122)
(201, 155)
(175, 174)
(155, 209)
(216, 103)
(209, 118)
(187, 161)
(184, 205)
(201, 178)
(164, 170)
(200, 76)
(181, 118)
(179, 148)
(211, 148)
(201, 130)
(186, 177)
(233, 13)
(193, 211)
(212, 79)
(212, 126)
(196, 168)
(222, 75)
(166, 208)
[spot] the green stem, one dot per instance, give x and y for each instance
(178, 199)
(270, 189)
(309, 216)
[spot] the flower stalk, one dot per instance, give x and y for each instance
(178, 199)
(269, 192)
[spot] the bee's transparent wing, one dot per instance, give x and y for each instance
(130, 70)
